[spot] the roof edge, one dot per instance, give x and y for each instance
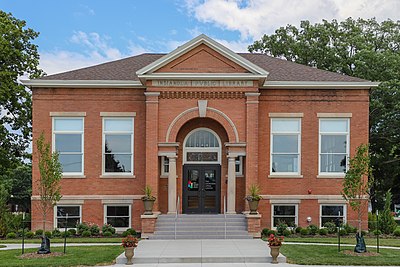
(318, 85)
(83, 83)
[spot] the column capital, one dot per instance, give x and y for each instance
(152, 97)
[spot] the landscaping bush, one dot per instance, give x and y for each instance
(56, 233)
(350, 229)
(331, 227)
(125, 234)
(298, 229)
(265, 232)
(323, 231)
(86, 233)
(107, 234)
(313, 229)
(271, 232)
(94, 229)
(387, 223)
(131, 231)
(65, 234)
(343, 232)
(82, 227)
(304, 231)
(372, 221)
(39, 232)
(396, 232)
(11, 235)
(281, 228)
(377, 232)
(287, 232)
(29, 234)
(72, 231)
(108, 228)
(47, 234)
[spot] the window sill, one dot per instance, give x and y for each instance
(117, 176)
(331, 176)
(289, 176)
(66, 176)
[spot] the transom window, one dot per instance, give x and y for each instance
(202, 145)
(118, 145)
(119, 216)
(68, 142)
(333, 145)
(332, 213)
(285, 145)
(284, 213)
(74, 216)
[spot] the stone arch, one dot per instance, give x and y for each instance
(192, 113)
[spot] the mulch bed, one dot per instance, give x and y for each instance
(365, 254)
(35, 255)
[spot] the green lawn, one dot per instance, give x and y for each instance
(61, 240)
(76, 256)
(394, 242)
(329, 255)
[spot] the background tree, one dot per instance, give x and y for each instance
(386, 221)
(18, 57)
(4, 211)
(362, 48)
(50, 175)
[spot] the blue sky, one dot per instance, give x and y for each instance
(75, 34)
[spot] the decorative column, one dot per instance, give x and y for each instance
(231, 205)
(152, 143)
(251, 139)
(172, 185)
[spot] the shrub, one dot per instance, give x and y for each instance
(363, 233)
(94, 229)
(387, 224)
(65, 234)
(39, 232)
(298, 229)
(107, 233)
(304, 231)
(372, 221)
(349, 228)
(323, 231)
(72, 231)
(281, 228)
(271, 232)
(377, 232)
(47, 234)
(313, 229)
(125, 234)
(82, 227)
(265, 232)
(396, 232)
(11, 235)
(29, 234)
(343, 232)
(131, 231)
(56, 233)
(287, 232)
(108, 228)
(86, 233)
(331, 227)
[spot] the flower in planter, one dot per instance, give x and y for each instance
(129, 242)
(275, 240)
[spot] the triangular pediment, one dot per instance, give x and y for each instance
(202, 57)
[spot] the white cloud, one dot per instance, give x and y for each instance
(253, 18)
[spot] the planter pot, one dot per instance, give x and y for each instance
(148, 207)
(253, 206)
(129, 255)
(274, 251)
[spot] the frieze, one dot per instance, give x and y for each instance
(200, 95)
(202, 83)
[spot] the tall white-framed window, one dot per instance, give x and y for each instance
(74, 216)
(118, 215)
(334, 143)
(68, 141)
(285, 146)
(202, 145)
(239, 166)
(164, 165)
(284, 213)
(118, 139)
(332, 213)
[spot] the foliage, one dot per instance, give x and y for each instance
(148, 193)
(39, 232)
(107, 234)
(281, 228)
(47, 234)
(50, 176)
(254, 193)
(331, 227)
(350, 229)
(86, 233)
(342, 232)
(274, 240)
(372, 221)
(66, 234)
(94, 229)
(4, 212)
(265, 232)
(129, 231)
(298, 229)
(82, 227)
(108, 228)
(323, 231)
(56, 233)
(304, 231)
(386, 222)
(286, 232)
(72, 231)
(129, 242)
(357, 182)
(396, 232)
(29, 234)
(18, 57)
(11, 235)
(313, 229)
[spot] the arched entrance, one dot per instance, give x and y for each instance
(201, 172)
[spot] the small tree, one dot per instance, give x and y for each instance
(387, 224)
(4, 211)
(357, 182)
(50, 175)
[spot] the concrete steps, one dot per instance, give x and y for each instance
(201, 226)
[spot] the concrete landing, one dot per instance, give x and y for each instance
(201, 251)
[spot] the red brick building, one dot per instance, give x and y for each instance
(201, 123)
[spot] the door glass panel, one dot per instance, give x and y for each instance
(193, 202)
(193, 180)
(210, 202)
(209, 181)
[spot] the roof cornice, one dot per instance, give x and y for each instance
(83, 83)
(203, 76)
(318, 85)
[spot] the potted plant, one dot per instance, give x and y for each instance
(129, 243)
(253, 198)
(274, 243)
(148, 200)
